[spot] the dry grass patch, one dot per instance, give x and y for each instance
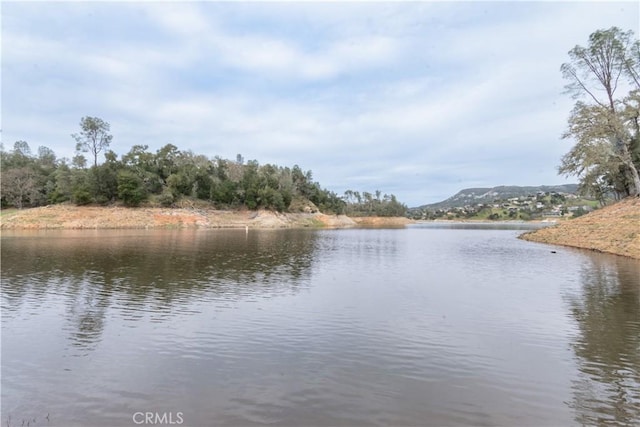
(613, 229)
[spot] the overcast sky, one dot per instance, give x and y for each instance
(418, 99)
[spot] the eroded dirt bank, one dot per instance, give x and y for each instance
(613, 229)
(91, 217)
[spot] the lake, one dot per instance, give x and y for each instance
(428, 325)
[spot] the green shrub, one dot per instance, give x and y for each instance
(166, 198)
(130, 188)
(81, 196)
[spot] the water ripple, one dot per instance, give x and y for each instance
(348, 327)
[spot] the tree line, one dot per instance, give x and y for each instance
(604, 77)
(367, 204)
(166, 177)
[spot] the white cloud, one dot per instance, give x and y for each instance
(415, 97)
(186, 19)
(255, 52)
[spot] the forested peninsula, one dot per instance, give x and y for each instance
(170, 179)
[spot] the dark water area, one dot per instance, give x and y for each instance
(428, 325)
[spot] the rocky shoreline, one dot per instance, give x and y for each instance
(114, 217)
(614, 229)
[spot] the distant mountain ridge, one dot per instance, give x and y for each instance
(473, 196)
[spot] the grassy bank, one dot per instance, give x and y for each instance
(613, 229)
(93, 217)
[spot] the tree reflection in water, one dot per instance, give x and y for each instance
(607, 345)
(158, 274)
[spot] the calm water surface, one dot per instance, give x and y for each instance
(419, 326)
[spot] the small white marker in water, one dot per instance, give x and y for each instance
(246, 229)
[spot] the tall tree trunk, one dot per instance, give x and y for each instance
(636, 178)
(627, 160)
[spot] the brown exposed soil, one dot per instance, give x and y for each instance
(379, 221)
(613, 229)
(87, 217)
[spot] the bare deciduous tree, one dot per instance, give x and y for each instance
(605, 128)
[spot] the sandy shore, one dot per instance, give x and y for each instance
(91, 217)
(614, 229)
